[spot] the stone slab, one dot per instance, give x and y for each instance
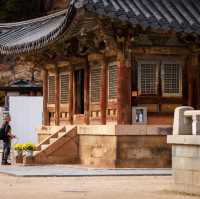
(76, 171)
(119, 130)
(183, 139)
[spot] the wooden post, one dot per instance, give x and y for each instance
(103, 92)
(86, 91)
(45, 97)
(57, 103)
(123, 90)
(198, 85)
(71, 91)
(191, 77)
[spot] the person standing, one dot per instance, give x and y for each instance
(7, 137)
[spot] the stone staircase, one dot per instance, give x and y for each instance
(59, 148)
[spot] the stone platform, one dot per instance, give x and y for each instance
(110, 146)
(77, 171)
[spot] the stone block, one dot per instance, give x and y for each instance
(96, 130)
(182, 125)
(143, 151)
(159, 129)
(183, 176)
(98, 150)
(185, 163)
(186, 151)
(196, 177)
(28, 161)
(183, 140)
(18, 159)
(131, 129)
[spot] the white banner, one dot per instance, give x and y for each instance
(26, 116)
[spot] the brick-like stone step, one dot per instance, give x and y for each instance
(52, 140)
(61, 134)
(35, 152)
(44, 146)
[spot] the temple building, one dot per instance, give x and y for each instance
(115, 70)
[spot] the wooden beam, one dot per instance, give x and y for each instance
(181, 51)
(45, 97)
(86, 91)
(57, 103)
(103, 91)
(198, 83)
(123, 90)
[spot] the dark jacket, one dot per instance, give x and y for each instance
(6, 129)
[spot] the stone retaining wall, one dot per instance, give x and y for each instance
(139, 146)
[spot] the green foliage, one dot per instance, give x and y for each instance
(16, 10)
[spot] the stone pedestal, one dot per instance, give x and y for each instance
(186, 163)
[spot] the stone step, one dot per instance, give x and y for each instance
(35, 152)
(52, 140)
(61, 134)
(44, 146)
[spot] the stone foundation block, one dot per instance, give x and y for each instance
(183, 176)
(186, 151)
(18, 159)
(28, 161)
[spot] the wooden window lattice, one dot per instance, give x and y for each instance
(95, 83)
(112, 81)
(148, 78)
(171, 79)
(64, 88)
(51, 89)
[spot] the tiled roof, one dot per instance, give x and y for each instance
(25, 36)
(179, 15)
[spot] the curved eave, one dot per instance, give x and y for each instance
(26, 36)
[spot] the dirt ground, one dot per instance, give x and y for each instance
(89, 188)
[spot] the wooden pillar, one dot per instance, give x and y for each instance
(198, 84)
(103, 91)
(123, 90)
(45, 97)
(57, 103)
(86, 92)
(191, 77)
(71, 95)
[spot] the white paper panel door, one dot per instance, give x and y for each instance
(26, 114)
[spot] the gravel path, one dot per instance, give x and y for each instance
(118, 187)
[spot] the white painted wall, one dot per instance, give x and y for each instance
(26, 115)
